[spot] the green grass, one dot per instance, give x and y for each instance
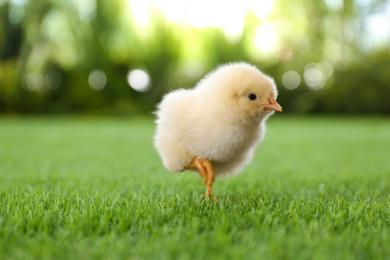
(318, 188)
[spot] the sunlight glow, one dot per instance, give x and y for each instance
(87, 9)
(232, 20)
(139, 80)
(38, 82)
(173, 10)
(378, 26)
(314, 76)
(97, 80)
(141, 10)
(193, 68)
(327, 69)
(334, 5)
(332, 50)
(227, 15)
(16, 14)
(291, 79)
(34, 82)
(263, 9)
(266, 39)
(199, 14)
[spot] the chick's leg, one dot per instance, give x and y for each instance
(197, 164)
(211, 177)
(206, 170)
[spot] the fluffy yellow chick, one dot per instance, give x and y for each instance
(216, 126)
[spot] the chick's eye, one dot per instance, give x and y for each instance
(252, 96)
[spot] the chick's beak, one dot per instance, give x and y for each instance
(273, 105)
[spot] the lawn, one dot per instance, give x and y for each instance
(89, 188)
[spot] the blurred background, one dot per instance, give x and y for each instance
(121, 56)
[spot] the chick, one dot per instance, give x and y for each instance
(215, 127)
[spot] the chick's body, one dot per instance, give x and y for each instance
(216, 121)
(184, 132)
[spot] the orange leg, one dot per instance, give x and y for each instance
(206, 170)
(198, 164)
(211, 177)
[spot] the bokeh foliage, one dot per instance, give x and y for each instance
(55, 45)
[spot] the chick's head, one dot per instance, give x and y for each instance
(252, 93)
